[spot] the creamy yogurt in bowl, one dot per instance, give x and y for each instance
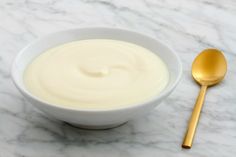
(96, 74)
(96, 77)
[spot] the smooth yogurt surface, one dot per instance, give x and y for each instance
(96, 74)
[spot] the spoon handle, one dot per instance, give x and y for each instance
(188, 140)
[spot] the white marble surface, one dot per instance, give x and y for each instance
(188, 26)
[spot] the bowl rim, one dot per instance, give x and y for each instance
(125, 107)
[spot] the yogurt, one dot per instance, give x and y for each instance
(96, 74)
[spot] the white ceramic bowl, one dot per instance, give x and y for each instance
(88, 118)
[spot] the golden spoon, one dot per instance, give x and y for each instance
(208, 69)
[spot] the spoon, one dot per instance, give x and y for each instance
(208, 69)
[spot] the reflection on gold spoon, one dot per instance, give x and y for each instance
(208, 69)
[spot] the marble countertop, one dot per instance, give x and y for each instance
(188, 26)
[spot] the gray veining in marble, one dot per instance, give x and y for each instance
(188, 26)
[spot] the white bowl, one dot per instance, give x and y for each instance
(91, 118)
